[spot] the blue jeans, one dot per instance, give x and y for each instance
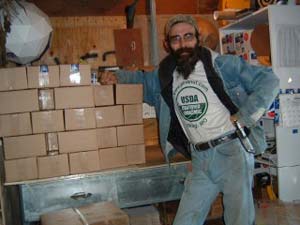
(226, 168)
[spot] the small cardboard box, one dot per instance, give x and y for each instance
(20, 169)
(136, 154)
(24, 146)
(129, 94)
(53, 166)
(102, 213)
(47, 121)
(113, 157)
(130, 135)
(15, 124)
(46, 99)
(77, 141)
(13, 79)
(104, 95)
(43, 76)
(74, 97)
(109, 116)
(77, 119)
(84, 162)
(74, 75)
(133, 114)
(19, 101)
(107, 137)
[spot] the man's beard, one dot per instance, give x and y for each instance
(186, 62)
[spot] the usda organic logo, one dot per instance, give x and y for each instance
(192, 103)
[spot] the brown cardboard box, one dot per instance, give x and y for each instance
(74, 97)
(109, 116)
(47, 121)
(84, 162)
(52, 143)
(77, 141)
(107, 137)
(70, 76)
(104, 95)
(136, 154)
(130, 135)
(77, 119)
(133, 114)
(24, 146)
(20, 169)
(19, 101)
(129, 94)
(43, 76)
(113, 157)
(46, 99)
(13, 79)
(53, 166)
(102, 213)
(15, 124)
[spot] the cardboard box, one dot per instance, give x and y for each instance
(104, 95)
(109, 116)
(13, 79)
(15, 124)
(43, 76)
(74, 75)
(136, 154)
(145, 215)
(19, 101)
(107, 137)
(46, 99)
(113, 157)
(20, 169)
(24, 146)
(53, 166)
(77, 141)
(102, 213)
(129, 94)
(130, 135)
(74, 97)
(52, 142)
(77, 119)
(133, 114)
(47, 121)
(84, 162)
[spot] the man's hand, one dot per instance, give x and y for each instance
(108, 77)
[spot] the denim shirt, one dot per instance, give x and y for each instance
(251, 88)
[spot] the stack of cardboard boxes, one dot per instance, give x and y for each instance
(54, 122)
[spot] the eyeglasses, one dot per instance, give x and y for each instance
(176, 39)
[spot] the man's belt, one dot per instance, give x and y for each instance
(213, 143)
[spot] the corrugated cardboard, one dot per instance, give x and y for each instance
(74, 97)
(107, 137)
(130, 135)
(77, 119)
(46, 99)
(20, 169)
(13, 79)
(136, 154)
(129, 94)
(104, 95)
(24, 146)
(43, 76)
(113, 157)
(19, 101)
(52, 142)
(47, 121)
(69, 77)
(109, 116)
(15, 124)
(102, 213)
(133, 114)
(53, 166)
(77, 141)
(84, 162)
